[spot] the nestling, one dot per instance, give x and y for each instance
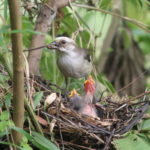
(84, 104)
(72, 61)
(76, 100)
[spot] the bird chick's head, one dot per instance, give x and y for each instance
(89, 85)
(73, 93)
(63, 44)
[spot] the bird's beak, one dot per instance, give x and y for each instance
(73, 93)
(53, 45)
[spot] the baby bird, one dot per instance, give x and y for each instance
(84, 104)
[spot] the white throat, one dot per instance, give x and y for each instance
(68, 50)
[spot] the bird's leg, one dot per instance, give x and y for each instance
(65, 90)
(67, 82)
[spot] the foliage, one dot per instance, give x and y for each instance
(88, 28)
(37, 140)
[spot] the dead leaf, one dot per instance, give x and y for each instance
(52, 124)
(51, 98)
(42, 121)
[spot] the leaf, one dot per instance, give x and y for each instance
(52, 125)
(49, 69)
(145, 125)
(3, 133)
(37, 140)
(92, 19)
(37, 98)
(3, 78)
(105, 4)
(4, 116)
(5, 9)
(8, 98)
(43, 142)
(24, 144)
(106, 83)
(4, 125)
(10, 144)
(26, 134)
(133, 141)
(42, 121)
(4, 29)
(51, 98)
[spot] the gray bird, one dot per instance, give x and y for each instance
(72, 61)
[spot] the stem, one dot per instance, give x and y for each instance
(18, 68)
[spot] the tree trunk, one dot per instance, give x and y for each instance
(44, 20)
(18, 68)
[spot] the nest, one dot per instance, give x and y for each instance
(74, 131)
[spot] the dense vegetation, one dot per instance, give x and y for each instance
(117, 36)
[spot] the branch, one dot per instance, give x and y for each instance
(18, 68)
(44, 19)
(139, 24)
(60, 4)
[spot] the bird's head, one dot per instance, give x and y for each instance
(73, 93)
(89, 85)
(63, 44)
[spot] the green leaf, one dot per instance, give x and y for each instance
(4, 29)
(4, 116)
(145, 125)
(8, 143)
(106, 83)
(37, 98)
(3, 78)
(133, 141)
(43, 142)
(105, 4)
(5, 9)
(3, 133)
(4, 125)
(37, 140)
(24, 144)
(8, 98)
(92, 19)
(49, 69)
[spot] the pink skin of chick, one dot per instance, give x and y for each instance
(88, 108)
(83, 104)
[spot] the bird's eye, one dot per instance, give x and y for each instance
(63, 42)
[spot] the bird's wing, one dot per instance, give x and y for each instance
(86, 55)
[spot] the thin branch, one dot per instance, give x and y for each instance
(139, 24)
(139, 96)
(133, 81)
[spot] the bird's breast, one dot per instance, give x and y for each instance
(75, 67)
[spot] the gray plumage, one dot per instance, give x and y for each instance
(72, 61)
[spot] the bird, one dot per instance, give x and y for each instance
(76, 100)
(72, 61)
(84, 104)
